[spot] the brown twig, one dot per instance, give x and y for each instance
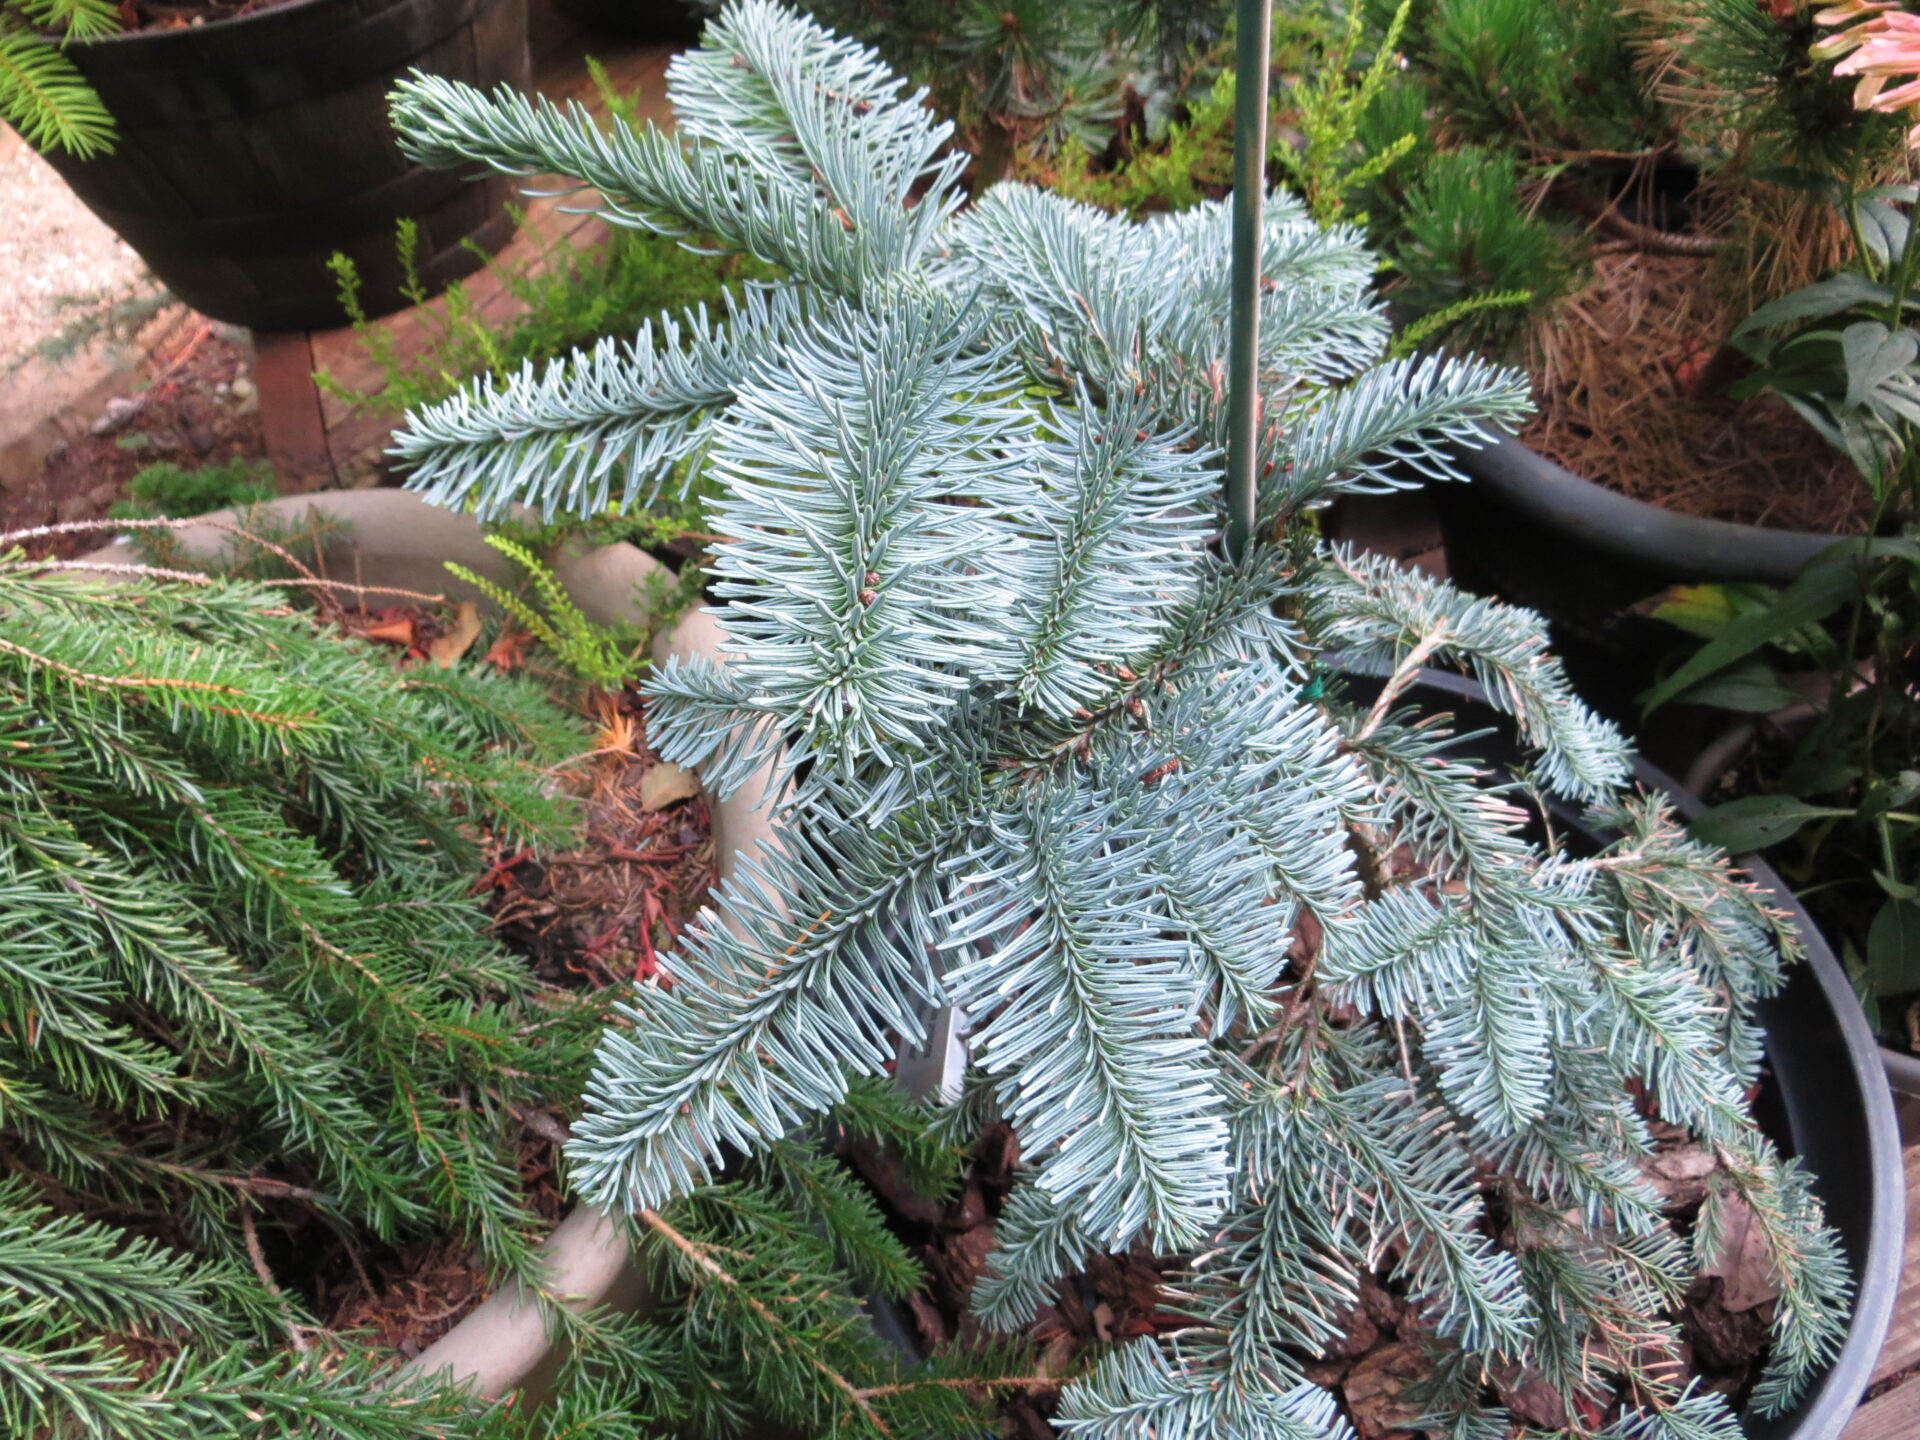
(1578, 157)
(1403, 675)
(201, 577)
(1641, 237)
(1658, 242)
(74, 527)
(147, 572)
(252, 1184)
(260, 1268)
(181, 356)
(118, 682)
(998, 1382)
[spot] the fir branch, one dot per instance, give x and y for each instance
(1259, 974)
(701, 1259)
(1378, 615)
(44, 97)
(734, 1053)
(1037, 1243)
(558, 438)
(1094, 1019)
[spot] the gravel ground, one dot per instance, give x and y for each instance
(51, 247)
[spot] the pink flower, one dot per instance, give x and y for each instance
(1882, 44)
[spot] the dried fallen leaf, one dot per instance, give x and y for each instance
(455, 642)
(393, 632)
(665, 783)
(508, 652)
(1679, 1173)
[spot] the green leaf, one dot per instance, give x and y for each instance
(1863, 990)
(1873, 357)
(1815, 593)
(1702, 610)
(1877, 547)
(1818, 770)
(1757, 821)
(1896, 399)
(1832, 296)
(1898, 889)
(1883, 227)
(1893, 949)
(1864, 446)
(1751, 687)
(1894, 794)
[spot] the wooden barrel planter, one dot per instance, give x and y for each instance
(251, 150)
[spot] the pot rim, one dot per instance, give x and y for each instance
(1903, 1072)
(1634, 530)
(282, 10)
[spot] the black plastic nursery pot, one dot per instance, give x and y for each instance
(1584, 556)
(1824, 1098)
(639, 19)
(1903, 1072)
(252, 149)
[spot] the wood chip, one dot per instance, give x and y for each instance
(1745, 1261)
(1680, 1174)
(1529, 1398)
(1377, 1391)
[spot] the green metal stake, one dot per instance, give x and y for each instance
(1254, 20)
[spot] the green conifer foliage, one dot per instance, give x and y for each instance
(1266, 972)
(1032, 73)
(42, 95)
(242, 981)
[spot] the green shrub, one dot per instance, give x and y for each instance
(1744, 88)
(1331, 107)
(1542, 75)
(1465, 233)
(603, 657)
(165, 491)
(571, 296)
(1025, 78)
(1190, 163)
(243, 973)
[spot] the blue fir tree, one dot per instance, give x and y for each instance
(1265, 972)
